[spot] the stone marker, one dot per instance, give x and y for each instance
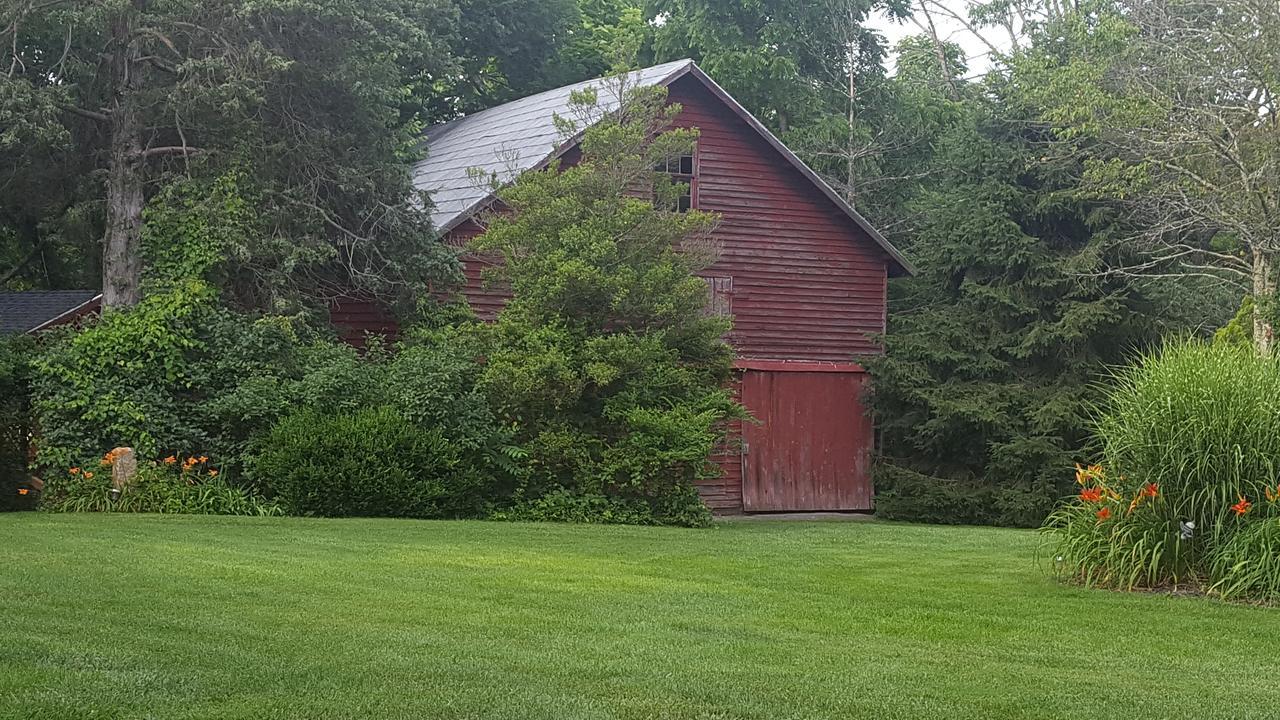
(123, 468)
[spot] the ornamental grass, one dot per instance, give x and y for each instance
(1185, 495)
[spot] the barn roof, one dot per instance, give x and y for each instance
(507, 140)
(22, 312)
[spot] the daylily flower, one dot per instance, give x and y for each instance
(88, 475)
(1151, 490)
(1092, 494)
(1103, 514)
(23, 491)
(1241, 507)
(170, 460)
(74, 471)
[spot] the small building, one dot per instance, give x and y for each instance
(35, 310)
(803, 275)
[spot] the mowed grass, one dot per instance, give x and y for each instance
(113, 616)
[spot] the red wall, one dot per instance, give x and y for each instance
(808, 284)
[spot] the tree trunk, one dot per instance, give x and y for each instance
(28, 236)
(849, 194)
(1264, 301)
(121, 251)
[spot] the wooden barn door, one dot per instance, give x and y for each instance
(812, 447)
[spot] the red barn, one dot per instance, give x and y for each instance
(803, 275)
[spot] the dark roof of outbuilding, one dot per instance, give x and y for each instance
(465, 156)
(22, 312)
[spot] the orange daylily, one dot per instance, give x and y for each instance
(74, 471)
(88, 475)
(1242, 507)
(1085, 474)
(1092, 494)
(23, 491)
(1149, 490)
(204, 459)
(213, 473)
(1103, 514)
(170, 460)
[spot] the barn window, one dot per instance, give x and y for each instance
(681, 170)
(719, 296)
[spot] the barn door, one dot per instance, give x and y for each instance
(812, 447)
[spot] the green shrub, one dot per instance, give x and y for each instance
(371, 462)
(1190, 442)
(903, 494)
(605, 361)
(565, 506)
(157, 488)
(146, 378)
(432, 381)
(181, 371)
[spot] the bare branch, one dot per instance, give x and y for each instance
(91, 114)
(181, 150)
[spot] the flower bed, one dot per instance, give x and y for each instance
(1188, 490)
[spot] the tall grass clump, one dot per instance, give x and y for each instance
(1185, 493)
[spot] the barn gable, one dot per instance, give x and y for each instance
(504, 141)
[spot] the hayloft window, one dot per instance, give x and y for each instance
(682, 171)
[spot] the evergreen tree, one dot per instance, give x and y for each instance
(996, 349)
(604, 358)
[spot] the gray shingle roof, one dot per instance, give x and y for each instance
(505, 141)
(25, 311)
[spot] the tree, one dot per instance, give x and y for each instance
(308, 98)
(506, 49)
(605, 359)
(788, 63)
(1175, 105)
(995, 348)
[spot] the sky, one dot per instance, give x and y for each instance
(948, 30)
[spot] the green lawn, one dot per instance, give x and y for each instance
(189, 617)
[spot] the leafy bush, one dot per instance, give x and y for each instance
(186, 487)
(1190, 442)
(370, 462)
(16, 490)
(144, 377)
(565, 506)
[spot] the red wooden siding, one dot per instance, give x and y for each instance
(811, 449)
(808, 284)
(356, 317)
(724, 494)
(485, 299)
